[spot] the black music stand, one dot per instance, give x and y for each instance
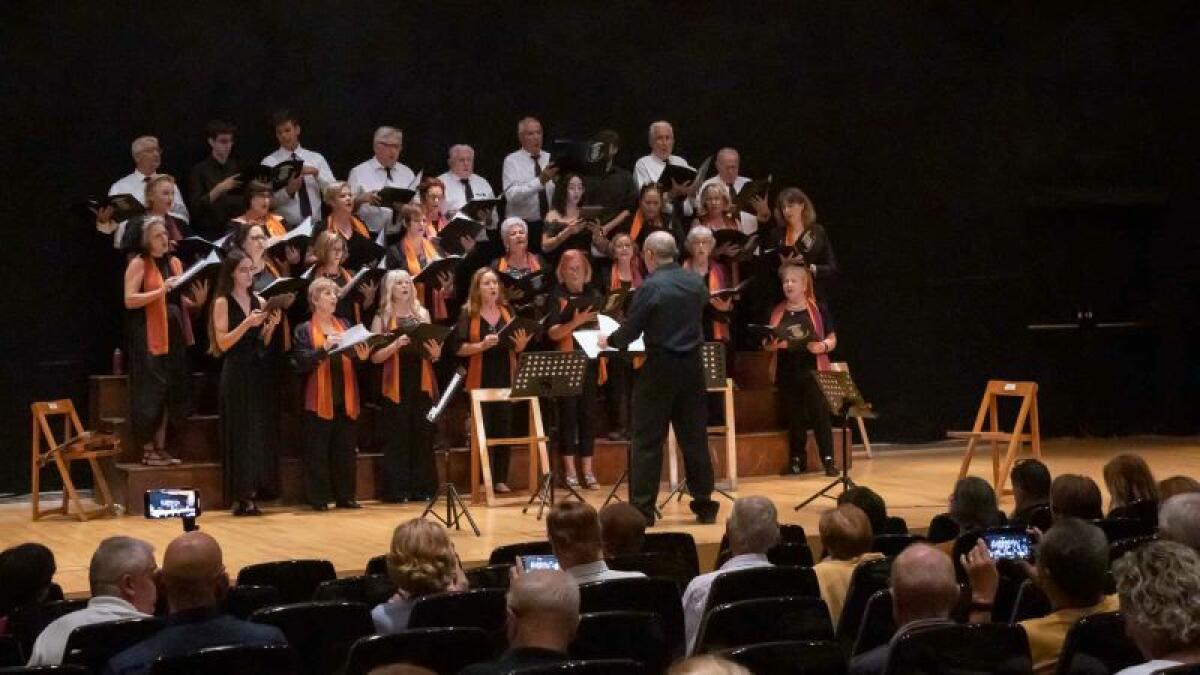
(713, 356)
(456, 508)
(552, 375)
(846, 402)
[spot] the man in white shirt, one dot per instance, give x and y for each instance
(728, 164)
(462, 183)
(147, 157)
(528, 180)
(121, 576)
(382, 170)
(573, 529)
(301, 197)
(753, 528)
(649, 169)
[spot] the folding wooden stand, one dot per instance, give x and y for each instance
(989, 411)
(77, 444)
(843, 367)
(481, 465)
(728, 430)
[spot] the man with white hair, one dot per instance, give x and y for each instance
(649, 168)
(1179, 520)
(461, 181)
(753, 528)
(728, 164)
(147, 158)
(121, 576)
(528, 180)
(543, 613)
(924, 592)
(382, 170)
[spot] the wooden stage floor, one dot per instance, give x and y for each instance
(914, 480)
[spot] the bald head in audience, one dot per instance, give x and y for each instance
(543, 610)
(193, 572)
(1179, 520)
(923, 584)
(707, 665)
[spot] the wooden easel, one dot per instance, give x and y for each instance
(77, 444)
(481, 465)
(989, 412)
(728, 430)
(843, 367)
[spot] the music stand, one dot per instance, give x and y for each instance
(456, 508)
(846, 402)
(712, 354)
(550, 375)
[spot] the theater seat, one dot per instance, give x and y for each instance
(747, 622)
(973, 649)
(790, 658)
(230, 660)
(639, 594)
(1098, 638)
(296, 580)
(442, 650)
(320, 632)
(483, 608)
(94, 644)
(613, 635)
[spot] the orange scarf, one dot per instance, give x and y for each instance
(356, 226)
(635, 276)
(273, 224)
(716, 282)
(391, 373)
(318, 396)
(158, 336)
(790, 236)
(475, 362)
(534, 265)
(814, 316)
(412, 261)
(636, 228)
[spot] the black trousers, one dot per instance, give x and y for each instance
(618, 390)
(407, 442)
(805, 408)
(329, 458)
(669, 390)
(576, 425)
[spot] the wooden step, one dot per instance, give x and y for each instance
(197, 439)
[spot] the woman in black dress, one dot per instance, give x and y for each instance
(330, 251)
(490, 363)
(408, 386)
(800, 239)
(624, 273)
(241, 331)
(159, 389)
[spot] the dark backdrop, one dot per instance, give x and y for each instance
(979, 166)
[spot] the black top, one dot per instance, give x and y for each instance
(615, 190)
(556, 315)
(496, 369)
(794, 364)
(516, 659)
(188, 631)
(208, 217)
(817, 252)
(305, 358)
(669, 309)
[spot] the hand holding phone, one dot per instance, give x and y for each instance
(529, 563)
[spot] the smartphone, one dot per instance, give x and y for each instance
(529, 563)
(1009, 545)
(171, 503)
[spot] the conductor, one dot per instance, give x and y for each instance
(668, 309)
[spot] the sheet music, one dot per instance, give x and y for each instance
(211, 259)
(589, 340)
(355, 335)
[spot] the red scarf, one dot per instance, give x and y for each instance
(475, 362)
(318, 396)
(818, 324)
(391, 373)
(158, 334)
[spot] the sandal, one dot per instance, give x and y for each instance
(571, 481)
(589, 482)
(153, 458)
(502, 488)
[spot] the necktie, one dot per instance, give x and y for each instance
(543, 200)
(305, 204)
(732, 191)
(146, 179)
(388, 170)
(466, 183)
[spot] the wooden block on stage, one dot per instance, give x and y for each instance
(108, 397)
(134, 479)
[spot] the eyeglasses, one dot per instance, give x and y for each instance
(257, 237)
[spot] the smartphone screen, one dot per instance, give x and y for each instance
(538, 562)
(1009, 545)
(171, 503)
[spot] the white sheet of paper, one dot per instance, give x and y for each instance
(589, 340)
(354, 335)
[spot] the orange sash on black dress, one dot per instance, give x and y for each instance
(475, 362)
(318, 395)
(391, 373)
(158, 334)
(818, 324)
(412, 260)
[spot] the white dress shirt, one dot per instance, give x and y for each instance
(521, 184)
(370, 176)
(597, 571)
(135, 184)
(695, 598)
(287, 207)
(649, 169)
(738, 184)
(50, 644)
(456, 196)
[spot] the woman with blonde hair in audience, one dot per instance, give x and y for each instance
(421, 561)
(846, 536)
(1159, 588)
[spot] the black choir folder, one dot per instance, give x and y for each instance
(276, 176)
(795, 332)
(507, 334)
(395, 195)
(430, 273)
(760, 187)
(422, 333)
(531, 284)
(124, 206)
(283, 286)
(363, 276)
(729, 293)
(460, 226)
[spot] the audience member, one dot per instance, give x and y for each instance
(1075, 496)
(972, 507)
(1031, 491)
(26, 577)
(1177, 485)
(707, 665)
(543, 613)
(195, 579)
(1159, 588)
(122, 580)
(752, 528)
(420, 562)
(400, 669)
(1072, 570)
(1129, 479)
(573, 529)
(1179, 520)
(924, 592)
(622, 529)
(846, 539)
(876, 509)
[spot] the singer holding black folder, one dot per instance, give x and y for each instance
(413, 253)
(668, 311)
(330, 401)
(330, 250)
(408, 387)
(798, 238)
(624, 273)
(491, 362)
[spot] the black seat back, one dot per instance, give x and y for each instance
(868, 578)
(243, 600)
(790, 554)
(28, 621)
(878, 623)
(746, 622)
(369, 589)
(639, 594)
(377, 565)
(230, 660)
(1144, 510)
(1031, 603)
(483, 608)
(442, 650)
(892, 544)
(320, 632)
(296, 580)
(612, 635)
(1099, 637)
(40, 670)
(595, 667)
(790, 658)
(952, 649)
(93, 645)
(490, 576)
(655, 564)
(681, 545)
(1116, 529)
(10, 652)
(1041, 517)
(1122, 546)
(507, 554)
(763, 582)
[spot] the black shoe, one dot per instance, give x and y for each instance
(240, 509)
(349, 504)
(396, 499)
(794, 468)
(253, 510)
(830, 469)
(320, 507)
(706, 511)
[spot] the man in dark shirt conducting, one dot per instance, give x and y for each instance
(668, 309)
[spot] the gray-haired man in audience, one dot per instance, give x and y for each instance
(1179, 520)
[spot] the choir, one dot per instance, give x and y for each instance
(384, 253)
